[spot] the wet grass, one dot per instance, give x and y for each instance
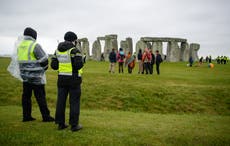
(182, 106)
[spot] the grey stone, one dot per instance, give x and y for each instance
(178, 49)
(194, 47)
(96, 50)
(84, 46)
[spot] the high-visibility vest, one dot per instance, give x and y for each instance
(30, 68)
(25, 51)
(65, 65)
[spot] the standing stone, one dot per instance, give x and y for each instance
(84, 46)
(194, 51)
(124, 46)
(96, 50)
(129, 44)
(107, 47)
(110, 43)
(149, 45)
(157, 46)
(114, 42)
(185, 51)
(173, 51)
(140, 45)
(79, 46)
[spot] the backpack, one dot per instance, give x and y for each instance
(121, 55)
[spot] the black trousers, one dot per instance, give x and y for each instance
(158, 68)
(129, 69)
(147, 67)
(120, 66)
(74, 101)
(40, 95)
(151, 68)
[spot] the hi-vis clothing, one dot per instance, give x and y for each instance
(68, 61)
(29, 61)
(65, 65)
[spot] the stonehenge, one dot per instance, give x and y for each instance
(83, 45)
(127, 45)
(110, 43)
(178, 49)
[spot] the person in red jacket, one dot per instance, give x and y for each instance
(146, 58)
(120, 59)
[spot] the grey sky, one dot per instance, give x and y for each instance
(199, 21)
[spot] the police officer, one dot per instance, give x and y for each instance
(32, 64)
(68, 61)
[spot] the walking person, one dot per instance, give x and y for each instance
(139, 58)
(210, 59)
(201, 61)
(112, 60)
(130, 62)
(33, 62)
(190, 61)
(69, 62)
(121, 58)
(146, 58)
(152, 62)
(158, 61)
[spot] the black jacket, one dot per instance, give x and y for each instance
(77, 63)
(158, 59)
(153, 59)
(112, 57)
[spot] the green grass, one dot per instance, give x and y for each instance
(116, 128)
(182, 106)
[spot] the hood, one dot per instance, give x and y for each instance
(30, 32)
(64, 46)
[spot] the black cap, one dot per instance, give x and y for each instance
(70, 36)
(30, 32)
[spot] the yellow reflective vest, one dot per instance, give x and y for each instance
(30, 68)
(25, 50)
(65, 65)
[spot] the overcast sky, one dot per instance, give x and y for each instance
(206, 22)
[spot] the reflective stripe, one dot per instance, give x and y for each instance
(64, 73)
(29, 51)
(78, 54)
(44, 58)
(29, 61)
(31, 69)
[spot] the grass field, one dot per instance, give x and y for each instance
(182, 106)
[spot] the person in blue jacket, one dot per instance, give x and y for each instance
(112, 60)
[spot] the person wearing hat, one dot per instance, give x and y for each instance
(68, 61)
(33, 62)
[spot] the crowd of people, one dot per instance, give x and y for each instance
(146, 61)
(208, 59)
(222, 59)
